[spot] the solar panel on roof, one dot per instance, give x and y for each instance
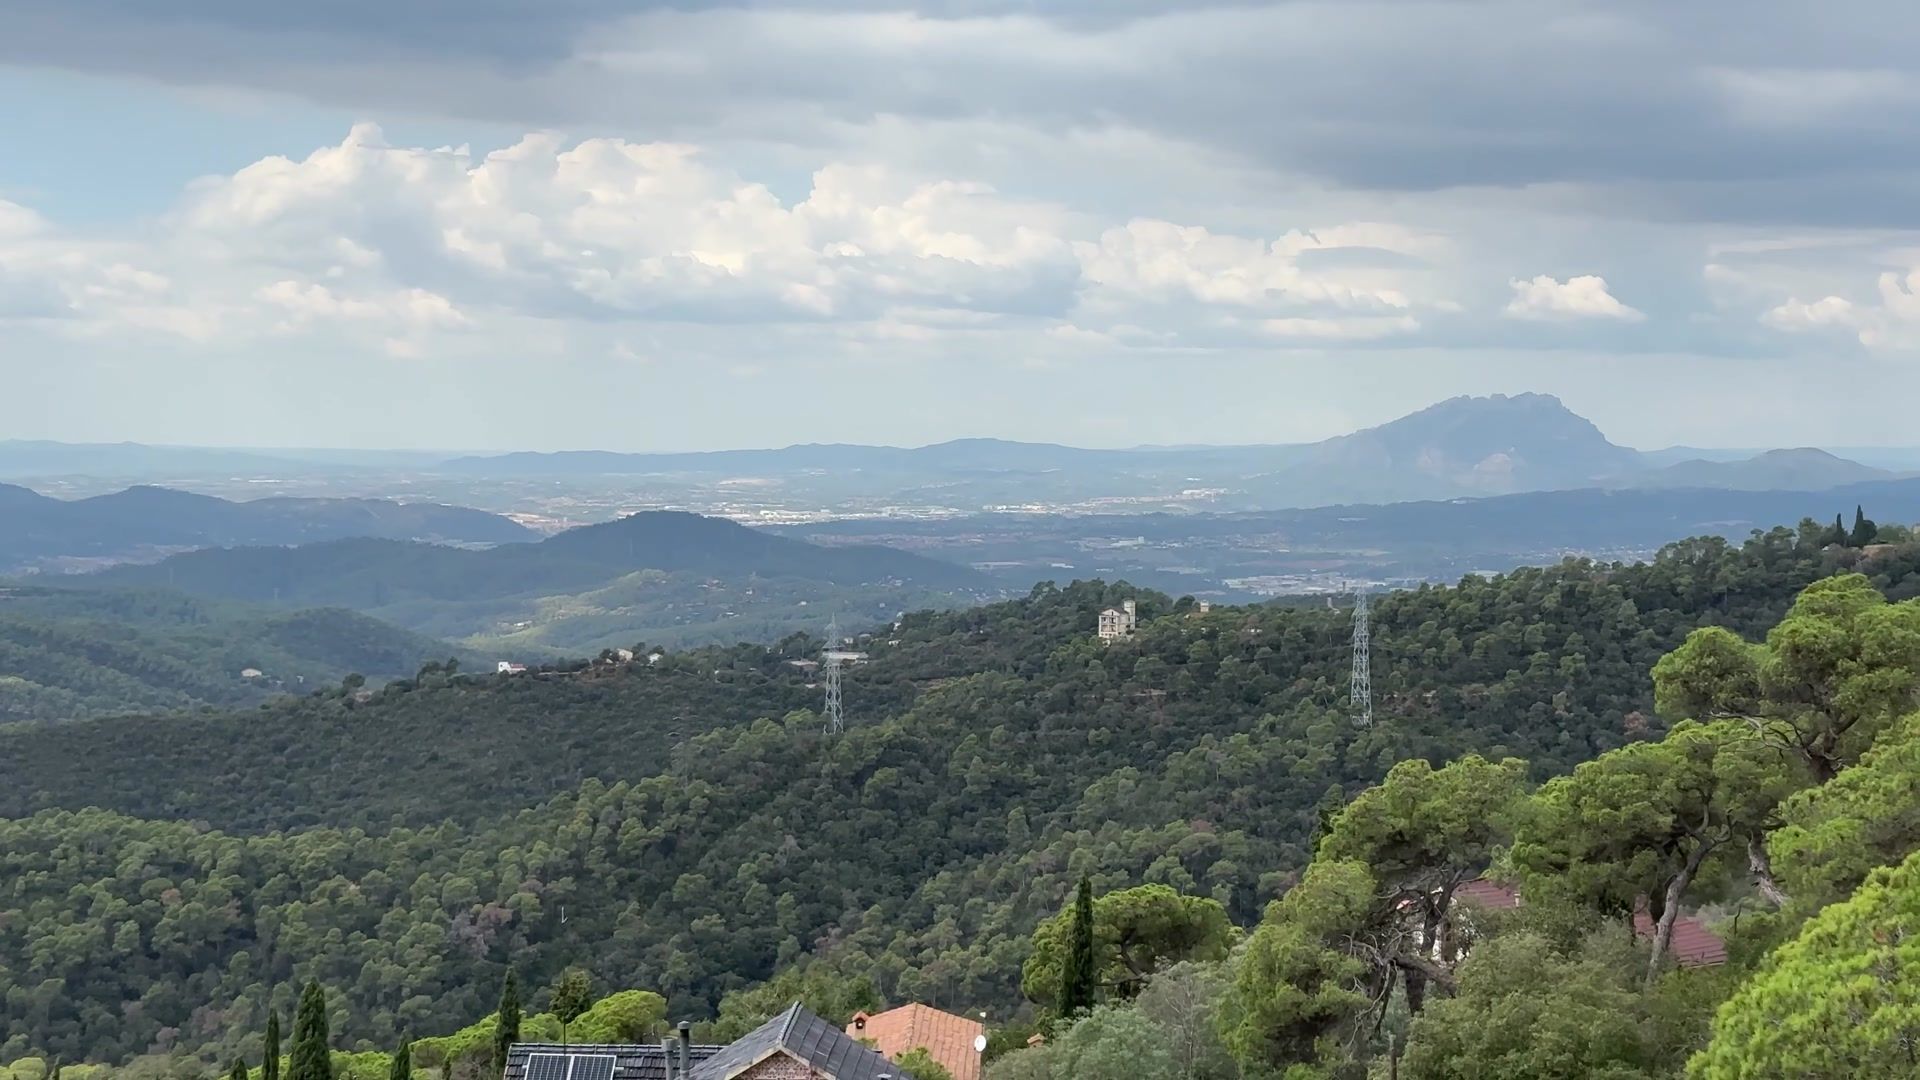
(592, 1067)
(547, 1067)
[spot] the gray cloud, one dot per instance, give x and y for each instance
(1787, 112)
(1316, 201)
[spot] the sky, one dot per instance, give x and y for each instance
(651, 225)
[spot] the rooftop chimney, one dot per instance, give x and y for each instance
(686, 1048)
(667, 1044)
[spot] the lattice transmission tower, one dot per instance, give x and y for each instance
(836, 711)
(832, 660)
(1362, 693)
(830, 677)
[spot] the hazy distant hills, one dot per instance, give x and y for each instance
(1803, 469)
(1465, 446)
(1461, 447)
(1239, 555)
(24, 458)
(661, 576)
(1489, 444)
(959, 455)
(19, 458)
(142, 520)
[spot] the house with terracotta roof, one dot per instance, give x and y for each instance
(955, 1042)
(1693, 945)
(796, 1045)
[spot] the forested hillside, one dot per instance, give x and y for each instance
(67, 654)
(687, 827)
(671, 577)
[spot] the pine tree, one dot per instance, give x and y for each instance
(402, 1063)
(270, 1068)
(311, 1058)
(506, 1031)
(572, 995)
(238, 1071)
(1332, 801)
(1077, 976)
(1864, 530)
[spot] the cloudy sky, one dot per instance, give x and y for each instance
(642, 224)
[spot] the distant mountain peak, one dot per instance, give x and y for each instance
(1490, 444)
(1802, 453)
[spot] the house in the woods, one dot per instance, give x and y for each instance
(1693, 945)
(796, 1045)
(955, 1042)
(1120, 622)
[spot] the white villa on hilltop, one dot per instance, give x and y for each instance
(1117, 623)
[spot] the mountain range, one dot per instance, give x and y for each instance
(1464, 446)
(1803, 469)
(663, 576)
(141, 522)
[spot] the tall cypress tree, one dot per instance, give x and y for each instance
(1077, 975)
(1835, 535)
(311, 1058)
(1864, 529)
(506, 1031)
(402, 1063)
(270, 1068)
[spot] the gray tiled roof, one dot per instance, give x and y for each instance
(642, 1062)
(824, 1046)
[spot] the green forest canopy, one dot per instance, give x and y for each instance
(69, 653)
(701, 834)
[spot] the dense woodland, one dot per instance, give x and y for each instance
(68, 653)
(686, 828)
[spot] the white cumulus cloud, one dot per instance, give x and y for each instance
(1797, 314)
(1581, 297)
(396, 249)
(1892, 323)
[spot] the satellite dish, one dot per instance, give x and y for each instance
(979, 1044)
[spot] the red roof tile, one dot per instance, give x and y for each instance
(1489, 894)
(1693, 944)
(948, 1038)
